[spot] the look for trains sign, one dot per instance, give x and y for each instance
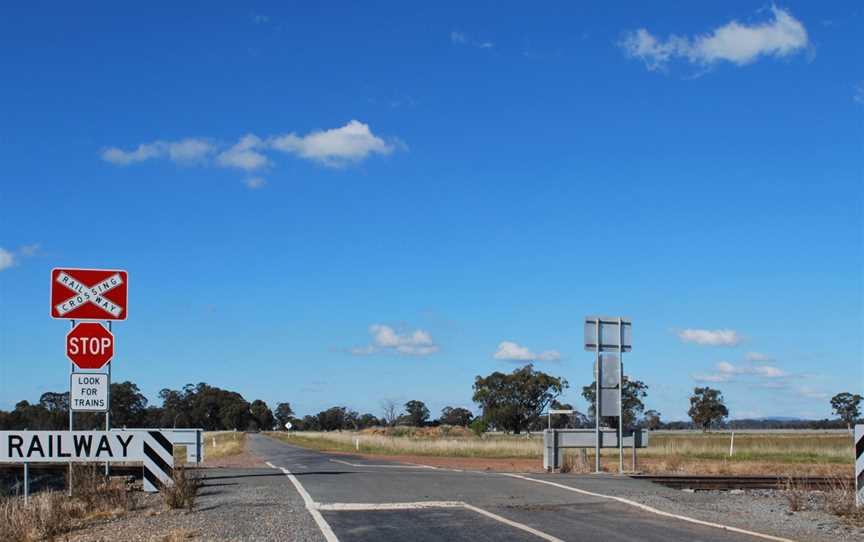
(89, 294)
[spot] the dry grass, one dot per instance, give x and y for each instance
(771, 447)
(795, 493)
(217, 444)
(51, 514)
(792, 447)
(576, 461)
(839, 499)
(226, 443)
(418, 444)
(783, 454)
(183, 492)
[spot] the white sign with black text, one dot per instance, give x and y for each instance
(66, 446)
(89, 392)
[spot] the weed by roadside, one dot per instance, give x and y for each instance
(183, 492)
(51, 514)
(796, 495)
(839, 499)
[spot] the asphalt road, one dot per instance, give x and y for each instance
(354, 499)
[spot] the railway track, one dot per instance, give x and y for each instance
(742, 482)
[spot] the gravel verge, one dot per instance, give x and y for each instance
(234, 504)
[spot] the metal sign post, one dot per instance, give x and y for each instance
(620, 397)
(597, 435)
(604, 334)
(108, 409)
(71, 428)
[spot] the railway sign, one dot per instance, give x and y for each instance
(89, 392)
(89, 345)
(89, 294)
(152, 447)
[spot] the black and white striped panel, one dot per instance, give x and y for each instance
(859, 464)
(158, 461)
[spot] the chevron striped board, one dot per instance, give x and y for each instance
(158, 461)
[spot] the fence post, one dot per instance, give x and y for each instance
(26, 483)
(859, 465)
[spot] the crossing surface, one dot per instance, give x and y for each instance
(356, 499)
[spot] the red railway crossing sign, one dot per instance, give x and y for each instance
(89, 345)
(89, 294)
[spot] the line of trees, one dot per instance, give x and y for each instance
(200, 405)
(511, 402)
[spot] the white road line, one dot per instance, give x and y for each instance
(520, 526)
(405, 466)
(316, 508)
(310, 505)
(425, 505)
(359, 506)
(651, 509)
(412, 466)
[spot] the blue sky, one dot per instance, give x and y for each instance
(341, 203)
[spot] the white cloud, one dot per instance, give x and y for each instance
(726, 372)
(7, 259)
(244, 154)
(385, 338)
(184, 151)
(782, 35)
(258, 18)
(28, 251)
(712, 377)
(511, 351)
(769, 371)
(756, 356)
(458, 37)
(710, 337)
(335, 147)
(254, 183)
(10, 258)
(810, 393)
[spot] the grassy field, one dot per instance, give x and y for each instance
(222, 444)
(217, 444)
(754, 453)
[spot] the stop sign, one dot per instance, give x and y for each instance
(89, 345)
